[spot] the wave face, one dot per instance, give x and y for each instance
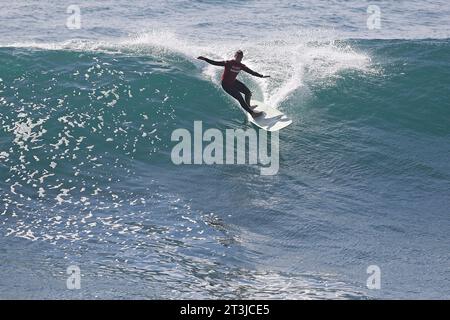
(86, 176)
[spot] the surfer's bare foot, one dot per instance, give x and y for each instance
(256, 113)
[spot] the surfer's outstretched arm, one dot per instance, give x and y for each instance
(215, 63)
(253, 73)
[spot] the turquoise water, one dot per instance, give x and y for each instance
(86, 176)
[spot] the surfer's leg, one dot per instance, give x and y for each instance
(234, 92)
(245, 90)
(248, 96)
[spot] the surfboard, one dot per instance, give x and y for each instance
(271, 120)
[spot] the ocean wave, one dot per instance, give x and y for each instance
(85, 146)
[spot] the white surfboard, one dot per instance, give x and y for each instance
(271, 119)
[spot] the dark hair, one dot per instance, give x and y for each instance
(239, 52)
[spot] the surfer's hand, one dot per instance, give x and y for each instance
(266, 76)
(201, 58)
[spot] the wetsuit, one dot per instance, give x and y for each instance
(233, 86)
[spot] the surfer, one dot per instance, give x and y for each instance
(231, 85)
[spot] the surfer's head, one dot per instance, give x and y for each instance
(239, 55)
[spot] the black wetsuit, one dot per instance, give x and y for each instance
(235, 90)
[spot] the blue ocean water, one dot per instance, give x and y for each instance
(86, 176)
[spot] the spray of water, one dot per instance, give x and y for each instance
(288, 58)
